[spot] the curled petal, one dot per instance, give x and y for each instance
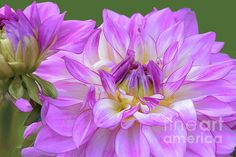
(81, 72)
(107, 113)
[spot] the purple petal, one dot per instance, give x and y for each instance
(62, 120)
(219, 88)
(31, 151)
(81, 72)
(117, 37)
(108, 83)
(210, 72)
(44, 10)
(189, 19)
(23, 105)
(157, 22)
(90, 53)
(73, 35)
(31, 129)
(156, 75)
(83, 128)
(168, 37)
(48, 31)
(49, 141)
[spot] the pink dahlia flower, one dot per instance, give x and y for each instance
(154, 87)
(27, 38)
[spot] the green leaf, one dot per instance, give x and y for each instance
(32, 88)
(16, 89)
(47, 88)
(34, 116)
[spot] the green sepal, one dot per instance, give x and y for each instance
(34, 116)
(16, 90)
(32, 88)
(47, 88)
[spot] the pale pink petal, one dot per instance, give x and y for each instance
(201, 141)
(225, 139)
(213, 107)
(159, 116)
(131, 142)
(186, 110)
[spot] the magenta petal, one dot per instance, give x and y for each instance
(83, 128)
(107, 113)
(117, 37)
(45, 10)
(108, 83)
(62, 120)
(31, 151)
(90, 53)
(49, 141)
(131, 142)
(48, 31)
(23, 105)
(210, 72)
(81, 72)
(169, 37)
(189, 19)
(73, 35)
(156, 75)
(48, 71)
(159, 139)
(102, 144)
(218, 88)
(31, 129)
(157, 22)
(73, 153)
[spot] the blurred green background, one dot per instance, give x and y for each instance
(213, 15)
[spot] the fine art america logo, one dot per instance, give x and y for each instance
(193, 131)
